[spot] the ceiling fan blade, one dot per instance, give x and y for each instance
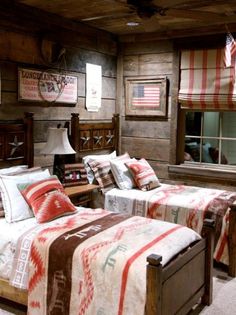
(190, 4)
(117, 14)
(196, 15)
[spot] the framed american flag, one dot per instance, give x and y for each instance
(146, 97)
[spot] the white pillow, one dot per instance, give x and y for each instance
(13, 169)
(90, 158)
(121, 173)
(14, 204)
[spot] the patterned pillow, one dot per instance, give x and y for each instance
(47, 199)
(74, 174)
(103, 174)
(121, 173)
(143, 174)
(91, 158)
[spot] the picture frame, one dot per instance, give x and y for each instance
(48, 86)
(146, 97)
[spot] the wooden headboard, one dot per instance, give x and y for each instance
(94, 137)
(16, 141)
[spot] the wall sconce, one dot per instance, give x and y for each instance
(58, 145)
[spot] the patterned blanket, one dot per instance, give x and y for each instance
(94, 262)
(186, 205)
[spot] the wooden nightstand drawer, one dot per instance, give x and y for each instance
(81, 200)
(81, 195)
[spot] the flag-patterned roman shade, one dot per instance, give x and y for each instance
(205, 83)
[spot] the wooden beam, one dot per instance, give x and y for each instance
(174, 34)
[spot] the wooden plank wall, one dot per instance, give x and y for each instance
(149, 139)
(156, 140)
(19, 48)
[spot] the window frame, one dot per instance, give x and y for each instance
(196, 169)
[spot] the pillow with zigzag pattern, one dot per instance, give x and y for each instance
(47, 199)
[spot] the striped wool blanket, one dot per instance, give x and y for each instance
(185, 205)
(94, 262)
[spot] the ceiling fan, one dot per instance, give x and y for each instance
(146, 9)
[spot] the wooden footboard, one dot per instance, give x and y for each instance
(232, 241)
(13, 294)
(177, 287)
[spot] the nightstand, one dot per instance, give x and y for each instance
(81, 195)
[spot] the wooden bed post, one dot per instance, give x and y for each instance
(75, 133)
(208, 234)
(29, 122)
(116, 123)
(154, 285)
(232, 240)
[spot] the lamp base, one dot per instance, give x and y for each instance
(58, 166)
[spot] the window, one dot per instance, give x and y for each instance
(210, 137)
(206, 124)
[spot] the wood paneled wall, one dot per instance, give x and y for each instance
(147, 138)
(156, 140)
(19, 48)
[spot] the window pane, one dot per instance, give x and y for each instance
(193, 123)
(229, 125)
(208, 147)
(228, 152)
(208, 137)
(211, 124)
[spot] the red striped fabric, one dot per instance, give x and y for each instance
(205, 83)
(230, 50)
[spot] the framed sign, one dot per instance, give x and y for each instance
(146, 97)
(47, 86)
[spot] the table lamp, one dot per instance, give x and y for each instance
(58, 144)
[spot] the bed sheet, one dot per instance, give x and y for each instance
(186, 205)
(9, 234)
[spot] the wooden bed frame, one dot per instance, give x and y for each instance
(16, 148)
(16, 141)
(84, 140)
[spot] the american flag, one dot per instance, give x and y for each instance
(230, 49)
(146, 96)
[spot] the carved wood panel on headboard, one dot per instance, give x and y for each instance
(16, 141)
(97, 136)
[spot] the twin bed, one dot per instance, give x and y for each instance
(159, 267)
(181, 204)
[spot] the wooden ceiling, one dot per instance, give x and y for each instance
(165, 18)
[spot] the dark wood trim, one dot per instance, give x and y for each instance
(174, 109)
(21, 132)
(29, 122)
(232, 241)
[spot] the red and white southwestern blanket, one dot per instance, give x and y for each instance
(94, 262)
(186, 205)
